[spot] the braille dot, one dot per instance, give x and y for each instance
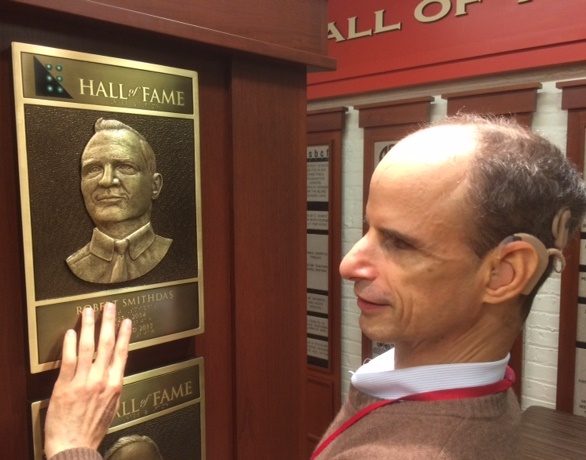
(49, 78)
(49, 88)
(59, 89)
(59, 67)
(49, 66)
(59, 78)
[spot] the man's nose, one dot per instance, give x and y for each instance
(358, 263)
(108, 178)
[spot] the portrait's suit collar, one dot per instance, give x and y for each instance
(103, 246)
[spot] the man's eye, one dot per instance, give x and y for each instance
(395, 243)
(126, 169)
(92, 170)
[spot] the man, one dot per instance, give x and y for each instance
(119, 182)
(466, 220)
(86, 394)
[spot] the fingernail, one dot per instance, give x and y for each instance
(88, 312)
(109, 307)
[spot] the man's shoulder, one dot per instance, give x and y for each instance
(79, 256)
(161, 242)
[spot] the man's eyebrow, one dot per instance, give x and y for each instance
(392, 233)
(410, 240)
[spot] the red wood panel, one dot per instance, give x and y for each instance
(20, 388)
(322, 400)
(466, 39)
(269, 189)
(217, 343)
(14, 417)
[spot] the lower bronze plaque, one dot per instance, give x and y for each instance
(110, 195)
(161, 415)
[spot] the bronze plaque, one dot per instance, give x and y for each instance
(160, 410)
(110, 195)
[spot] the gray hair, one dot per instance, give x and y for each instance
(103, 124)
(517, 183)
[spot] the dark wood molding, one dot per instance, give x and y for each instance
(326, 120)
(573, 94)
(293, 32)
(252, 144)
(515, 99)
(408, 111)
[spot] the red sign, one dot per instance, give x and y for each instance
(384, 44)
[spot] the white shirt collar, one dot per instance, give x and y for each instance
(379, 378)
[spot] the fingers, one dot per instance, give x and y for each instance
(121, 351)
(69, 356)
(107, 338)
(85, 354)
(111, 355)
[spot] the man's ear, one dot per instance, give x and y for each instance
(157, 185)
(516, 267)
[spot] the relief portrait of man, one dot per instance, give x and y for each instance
(119, 182)
(134, 447)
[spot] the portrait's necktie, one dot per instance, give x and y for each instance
(119, 268)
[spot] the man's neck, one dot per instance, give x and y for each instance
(489, 339)
(406, 357)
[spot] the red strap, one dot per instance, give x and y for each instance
(438, 395)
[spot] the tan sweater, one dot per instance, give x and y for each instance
(477, 428)
(80, 453)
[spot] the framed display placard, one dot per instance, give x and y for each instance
(110, 195)
(324, 306)
(318, 255)
(161, 410)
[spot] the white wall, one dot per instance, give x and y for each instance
(541, 335)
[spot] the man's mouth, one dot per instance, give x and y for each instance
(109, 198)
(368, 306)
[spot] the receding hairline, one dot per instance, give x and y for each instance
(113, 129)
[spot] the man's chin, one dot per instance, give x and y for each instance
(372, 330)
(108, 218)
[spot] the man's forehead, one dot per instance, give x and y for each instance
(434, 145)
(113, 141)
(425, 174)
(419, 188)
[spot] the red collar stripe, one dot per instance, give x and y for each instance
(438, 395)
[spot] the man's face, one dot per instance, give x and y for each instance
(115, 181)
(417, 281)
